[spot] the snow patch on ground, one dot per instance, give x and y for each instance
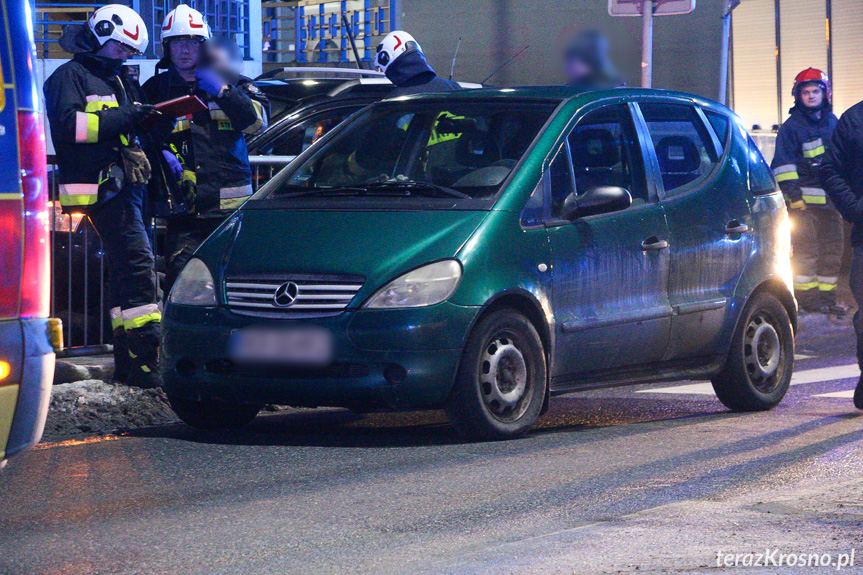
(93, 406)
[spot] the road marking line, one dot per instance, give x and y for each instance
(847, 394)
(801, 356)
(821, 374)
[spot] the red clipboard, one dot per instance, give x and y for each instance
(181, 107)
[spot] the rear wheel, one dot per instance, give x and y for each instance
(761, 359)
(211, 414)
(501, 383)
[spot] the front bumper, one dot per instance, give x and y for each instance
(369, 348)
(26, 392)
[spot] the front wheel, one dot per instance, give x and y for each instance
(501, 383)
(211, 414)
(760, 362)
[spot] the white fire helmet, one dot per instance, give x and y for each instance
(392, 46)
(185, 21)
(120, 23)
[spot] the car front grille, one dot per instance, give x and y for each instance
(310, 295)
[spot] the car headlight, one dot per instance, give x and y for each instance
(425, 286)
(194, 286)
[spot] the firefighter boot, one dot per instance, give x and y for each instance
(144, 355)
(830, 307)
(122, 362)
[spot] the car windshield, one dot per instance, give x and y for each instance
(457, 150)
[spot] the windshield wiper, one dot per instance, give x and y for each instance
(362, 190)
(421, 188)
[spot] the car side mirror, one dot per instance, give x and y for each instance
(598, 200)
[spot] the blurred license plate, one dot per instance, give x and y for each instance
(309, 346)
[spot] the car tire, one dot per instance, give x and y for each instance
(760, 362)
(211, 414)
(501, 382)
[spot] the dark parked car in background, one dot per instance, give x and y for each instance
(291, 88)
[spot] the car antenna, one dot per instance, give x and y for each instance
(504, 65)
(454, 56)
(347, 26)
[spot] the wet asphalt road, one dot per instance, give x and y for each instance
(612, 481)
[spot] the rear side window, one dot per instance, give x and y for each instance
(683, 146)
(761, 179)
(720, 125)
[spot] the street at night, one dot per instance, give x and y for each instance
(423, 287)
(660, 478)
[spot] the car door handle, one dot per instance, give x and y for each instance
(654, 243)
(735, 227)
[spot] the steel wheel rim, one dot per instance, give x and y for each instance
(503, 379)
(762, 350)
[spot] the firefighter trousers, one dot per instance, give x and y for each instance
(817, 237)
(131, 281)
(856, 282)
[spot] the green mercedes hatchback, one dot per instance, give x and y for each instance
(484, 250)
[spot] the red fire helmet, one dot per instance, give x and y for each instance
(813, 76)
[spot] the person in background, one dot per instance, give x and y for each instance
(816, 233)
(586, 62)
(205, 158)
(100, 128)
(401, 58)
(841, 175)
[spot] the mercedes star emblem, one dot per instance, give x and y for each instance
(286, 294)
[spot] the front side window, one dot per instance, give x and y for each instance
(606, 152)
(560, 182)
(683, 146)
(453, 150)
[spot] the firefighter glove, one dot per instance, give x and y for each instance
(174, 164)
(136, 167)
(142, 113)
(797, 205)
(189, 187)
(210, 82)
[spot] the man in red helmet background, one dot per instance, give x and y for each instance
(816, 235)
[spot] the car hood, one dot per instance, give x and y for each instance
(378, 246)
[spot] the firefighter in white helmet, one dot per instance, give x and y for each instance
(100, 126)
(401, 58)
(205, 162)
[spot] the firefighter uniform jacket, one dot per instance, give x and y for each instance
(85, 100)
(800, 146)
(212, 145)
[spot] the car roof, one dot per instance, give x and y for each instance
(319, 72)
(566, 93)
